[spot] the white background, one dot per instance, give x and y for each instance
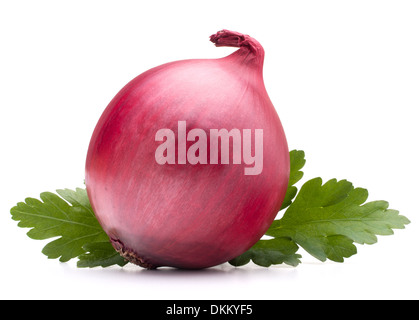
(343, 75)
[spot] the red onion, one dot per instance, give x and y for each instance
(163, 198)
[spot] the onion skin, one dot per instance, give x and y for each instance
(184, 215)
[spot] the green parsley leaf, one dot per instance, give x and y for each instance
(297, 162)
(100, 254)
(268, 252)
(327, 219)
(69, 217)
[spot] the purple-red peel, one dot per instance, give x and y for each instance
(188, 215)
